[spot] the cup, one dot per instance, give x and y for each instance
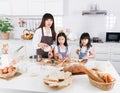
(38, 58)
(32, 58)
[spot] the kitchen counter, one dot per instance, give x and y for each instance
(32, 76)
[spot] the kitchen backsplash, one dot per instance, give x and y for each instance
(30, 23)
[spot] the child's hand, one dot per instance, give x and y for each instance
(85, 57)
(60, 56)
(77, 51)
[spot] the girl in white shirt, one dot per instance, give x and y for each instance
(45, 36)
(62, 50)
(85, 50)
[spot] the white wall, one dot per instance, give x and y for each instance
(96, 25)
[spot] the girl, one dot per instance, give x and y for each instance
(85, 51)
(45, 36)
(62, 51)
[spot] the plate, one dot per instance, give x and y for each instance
(58, 79)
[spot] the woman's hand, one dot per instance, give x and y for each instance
(50, 54)
(43, 45)
(77, 51)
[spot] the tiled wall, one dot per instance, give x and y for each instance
(30, 23)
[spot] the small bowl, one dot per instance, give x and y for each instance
(47, 49)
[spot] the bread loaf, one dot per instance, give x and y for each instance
(76, 68)
(94, 75)
(108, 78)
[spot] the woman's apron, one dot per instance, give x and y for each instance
(45, 39)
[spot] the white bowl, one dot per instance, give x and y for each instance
(47, 49)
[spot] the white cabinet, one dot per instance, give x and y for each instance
(31, 7)
(36, 7)
(5, 7)
(117, 66)
(108, 51)
(19, 7)
(54, 6)
(115, 53)
(102, 51)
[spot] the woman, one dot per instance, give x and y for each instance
(45, 36)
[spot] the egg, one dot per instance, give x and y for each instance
(5, 70)
(1, 71)
(10, 69)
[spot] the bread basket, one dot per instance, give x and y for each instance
(27, 35)
(8, 75)
(102, 85)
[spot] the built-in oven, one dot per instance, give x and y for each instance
(112, 36)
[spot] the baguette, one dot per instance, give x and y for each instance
(108, 78)
(76, 68)
(94, 75)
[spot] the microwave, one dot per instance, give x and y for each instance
(112, 36)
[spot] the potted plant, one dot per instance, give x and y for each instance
(5, 28)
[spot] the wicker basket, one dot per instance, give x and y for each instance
(25, 38)
(27, 35)
(101, 85)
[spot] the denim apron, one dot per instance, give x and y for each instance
(64, 54)
(44, 39)
(81, 55)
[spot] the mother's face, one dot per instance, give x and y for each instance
(48, 23)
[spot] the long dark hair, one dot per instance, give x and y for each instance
(62, 34)
(85, 36)
(46, 17)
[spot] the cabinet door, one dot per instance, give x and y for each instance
(116, 65)
(115, 53)
(5, 7)
(102, 49)
(102, 56)
(54, 6)
(115, 49)
(19, 7)
(115, 57)
(102, 52)
(36, 7)
(39, 7)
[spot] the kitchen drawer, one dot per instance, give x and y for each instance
(115, 57)
(102, 49)
(115, 50)
(116, 65)
(102, 56)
